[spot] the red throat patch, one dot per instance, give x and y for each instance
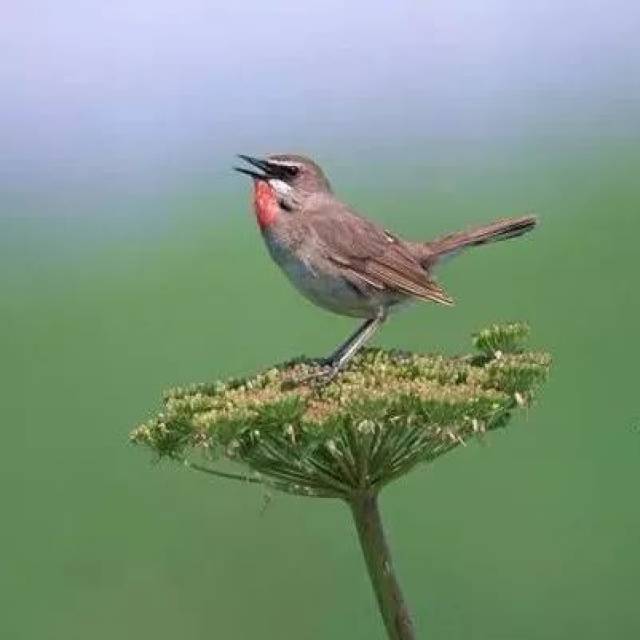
(265, 203)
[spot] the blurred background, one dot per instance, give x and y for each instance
(129, 262)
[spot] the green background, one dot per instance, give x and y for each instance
(532, 536)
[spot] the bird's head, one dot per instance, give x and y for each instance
(281, 183)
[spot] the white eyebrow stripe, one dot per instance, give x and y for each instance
(284, 163)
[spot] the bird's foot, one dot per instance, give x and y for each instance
(325, 372)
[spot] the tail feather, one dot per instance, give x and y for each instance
(502, 229)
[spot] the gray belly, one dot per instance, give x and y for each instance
(327, 288)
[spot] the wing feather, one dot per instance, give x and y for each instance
(370, 254)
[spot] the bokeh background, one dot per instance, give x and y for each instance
(129, 262)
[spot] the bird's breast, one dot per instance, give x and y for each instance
(319, 281)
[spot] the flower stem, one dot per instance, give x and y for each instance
(393, 609)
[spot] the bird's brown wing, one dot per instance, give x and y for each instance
(369, 253)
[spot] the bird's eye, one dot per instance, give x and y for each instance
(292, 170)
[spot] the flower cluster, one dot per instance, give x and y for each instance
(387, 412)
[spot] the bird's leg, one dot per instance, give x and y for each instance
(355, 342)
(341, 356)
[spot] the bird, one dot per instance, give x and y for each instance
(345, 262)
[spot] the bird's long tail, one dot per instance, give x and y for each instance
(502, 229)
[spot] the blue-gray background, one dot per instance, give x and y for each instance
(129, 262)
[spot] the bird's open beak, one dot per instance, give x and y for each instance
(270, 170)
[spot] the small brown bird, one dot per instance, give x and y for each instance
(346, 263)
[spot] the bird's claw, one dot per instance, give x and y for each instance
(323, 375)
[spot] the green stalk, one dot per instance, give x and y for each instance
(393, 609)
